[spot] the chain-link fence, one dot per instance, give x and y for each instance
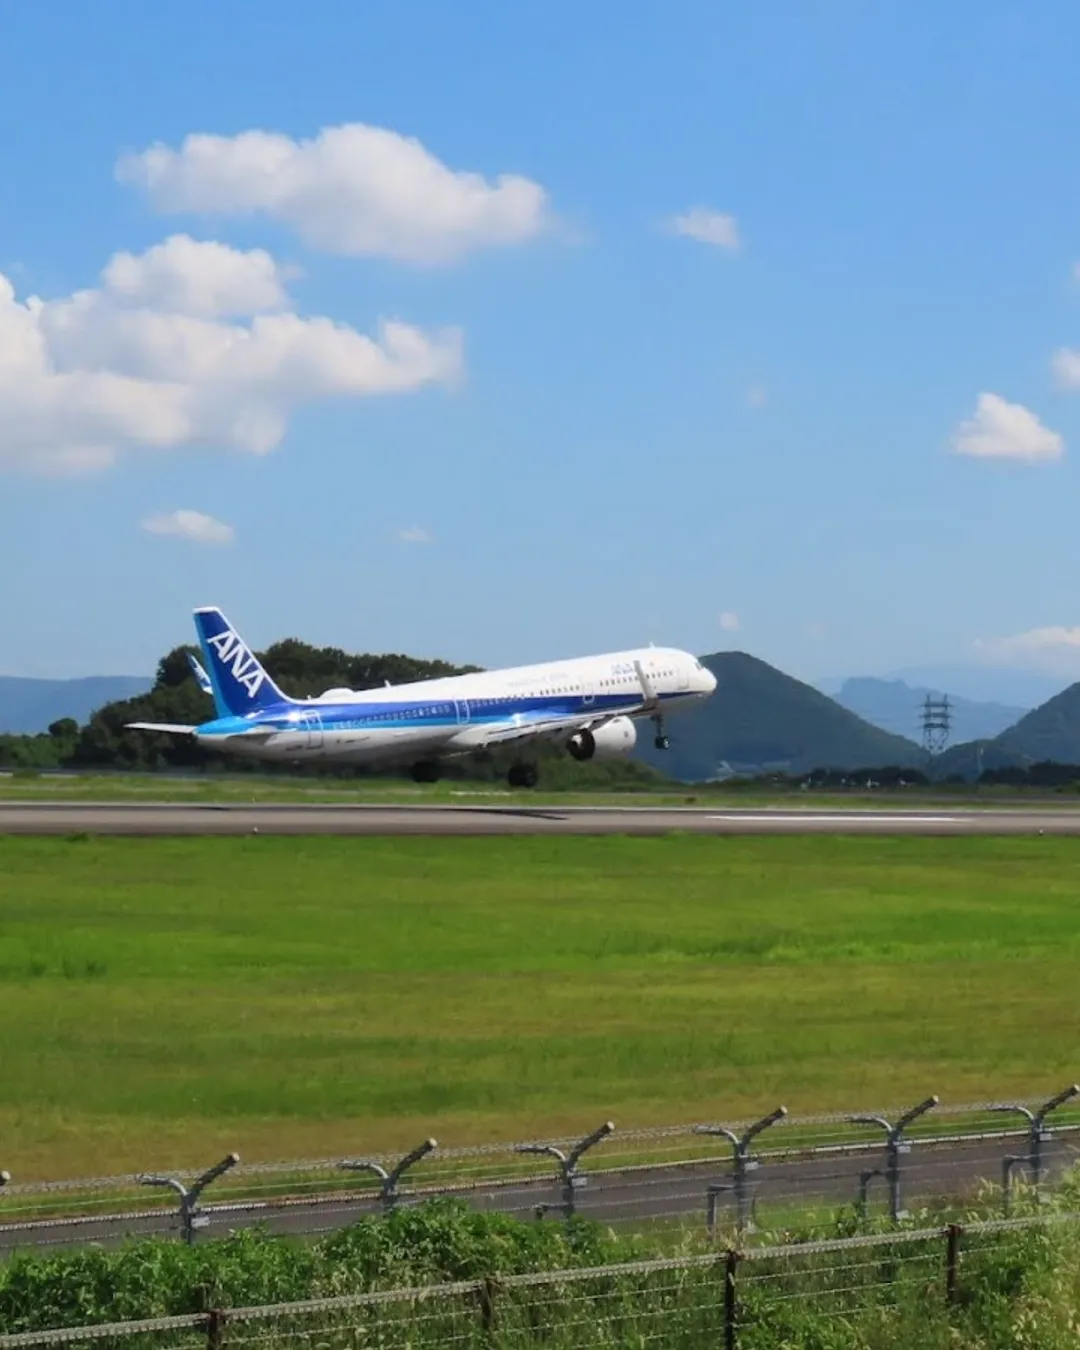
(738, 1176)
(901, 1284)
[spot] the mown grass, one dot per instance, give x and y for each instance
(30, 785)
(165, 1000)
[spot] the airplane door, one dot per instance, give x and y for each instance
(313, 726)
(462, 706)
(682, 674)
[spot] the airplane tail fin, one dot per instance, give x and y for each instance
(240, 684)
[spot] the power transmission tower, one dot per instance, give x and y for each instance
(936, 724)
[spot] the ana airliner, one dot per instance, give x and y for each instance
(590, 705)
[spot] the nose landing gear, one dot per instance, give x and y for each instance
(661, 742)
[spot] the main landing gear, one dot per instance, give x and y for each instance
(523, 775)
(661, 742)
(426, 771)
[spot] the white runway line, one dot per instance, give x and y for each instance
(840, 818)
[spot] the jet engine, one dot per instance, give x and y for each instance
(614, 738)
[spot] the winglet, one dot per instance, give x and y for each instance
(201, 677)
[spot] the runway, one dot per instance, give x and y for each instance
(945, 1171)
(160, 818)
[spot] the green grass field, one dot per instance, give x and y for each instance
(164, 1000)
(28, 785)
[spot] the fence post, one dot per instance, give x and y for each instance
(742, 1166)
(571, 1179)
(488, 1290)
(731, 1306)
(952, 1260)
(190, 1216)
(895, 1147)
(215, 1328)
(1038, 1135)
(388, 1181)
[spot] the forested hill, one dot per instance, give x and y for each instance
(761, 720)
(300, 670)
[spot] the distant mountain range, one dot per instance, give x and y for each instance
(761, 720)
(896, 706)
(30, 706)
(978, 684)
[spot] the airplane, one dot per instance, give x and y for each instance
(589, 704)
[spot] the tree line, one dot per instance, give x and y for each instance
(301, 671)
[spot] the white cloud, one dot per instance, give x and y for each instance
(1066, 367)
(1001, 430)
(415, 534)
(203, 278)
(351, 189)
(708, 227)
(193, 525)
(143, 361)
(1055, 648)
(729, 621)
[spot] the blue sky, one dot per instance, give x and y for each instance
(603, 431)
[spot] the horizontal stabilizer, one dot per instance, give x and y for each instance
(171, 728)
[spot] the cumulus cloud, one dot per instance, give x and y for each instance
(729, 621)
(199, 277)
(193, 525)
(352, 189)
(707, 227)
(415, 534)
(151, 359)
(1001, 430)
(1055, 648)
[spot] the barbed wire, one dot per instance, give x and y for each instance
(687, 1285)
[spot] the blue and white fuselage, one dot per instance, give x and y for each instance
(589, 703)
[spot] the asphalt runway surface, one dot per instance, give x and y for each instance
(633, 1196)
(159, 818)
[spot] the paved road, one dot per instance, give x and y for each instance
(782, 1187)
(156, 818)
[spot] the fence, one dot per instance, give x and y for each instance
(733, 1177)
(742, 1299)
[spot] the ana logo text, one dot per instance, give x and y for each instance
(232, 652)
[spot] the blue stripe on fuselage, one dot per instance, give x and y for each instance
(434, 713)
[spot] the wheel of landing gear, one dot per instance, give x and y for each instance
(523, 775)
(662, 743)
(425, 771)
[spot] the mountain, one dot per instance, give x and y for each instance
(896, 706)
(761, 720)
(29, 706)
(1050, 732)
(982, 684)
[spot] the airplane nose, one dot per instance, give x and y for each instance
(709, 681)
